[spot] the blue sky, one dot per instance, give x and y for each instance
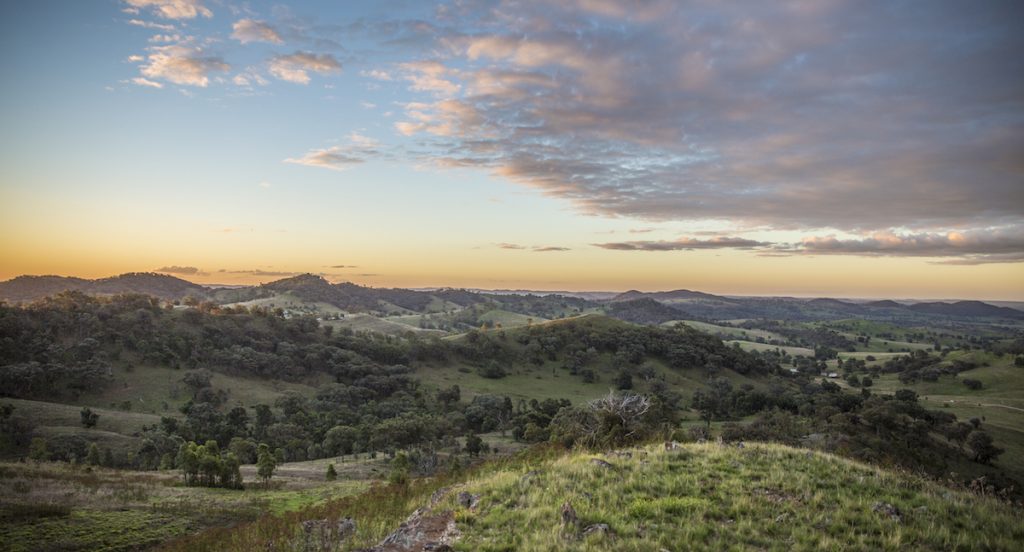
(744, 148)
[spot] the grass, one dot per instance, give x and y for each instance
(369, 323)
(551, 381)
(508, 319)
(726, 332)
(712, 497)
(754, 346)
(56, 506)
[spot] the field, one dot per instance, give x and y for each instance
(727, 331)
(369, 323)
(56, 506)
(754, 346)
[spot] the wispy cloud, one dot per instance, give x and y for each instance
(259, 272)
(181, 270)
(534, 248)
(251, 30)
(995, 245)
(338, 158)
(685, 244)
(141, 81)
(152, 25)
(708, 111)
(172, 9)
(296, 67)
(973, 247)
(182, 64)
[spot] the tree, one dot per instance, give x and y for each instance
(623, 380)
(474, 444)
(400, 467)
(89, 418)
(93, 456)
(972, 384)
(713, 402)
(982, 446)
(37, 450)
(265, 463)
(332, 474)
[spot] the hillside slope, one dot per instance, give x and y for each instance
(715, 497)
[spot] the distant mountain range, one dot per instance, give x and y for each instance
(636, 306)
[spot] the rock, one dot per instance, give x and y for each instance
(671, 445)
(438, 495)
(887, 510)
(421, 531)
(569, 515)
(467, 500)
(346, 527)
(322, 534)
(598, 528)
(602, 463)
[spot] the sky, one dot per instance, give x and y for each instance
(811, 148)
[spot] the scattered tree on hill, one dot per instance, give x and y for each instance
(982, 446)
(491, 370)
(474, 444)
(713, 403)
(93, 457)
(265, 463)
(89, 418)
(37, 450)
(332, 474)
(623, 380)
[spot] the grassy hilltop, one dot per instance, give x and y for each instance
(694, 497)
(715, 497)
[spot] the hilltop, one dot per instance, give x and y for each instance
(692, 497)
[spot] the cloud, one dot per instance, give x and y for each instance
(171, 9)
(1000, 245)
(535, 248)
(182, 64)
(685, 244)
(296, 67)
(339, 158)
(258, 272)
(377, 74)
(825, 115)
(430, 76)
(251, 76)
(140, 81)
(151, 25)
(183, 270)
(342, 266)
(250, 30)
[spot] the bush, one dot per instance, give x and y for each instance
(972, 384)
(491, 370)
